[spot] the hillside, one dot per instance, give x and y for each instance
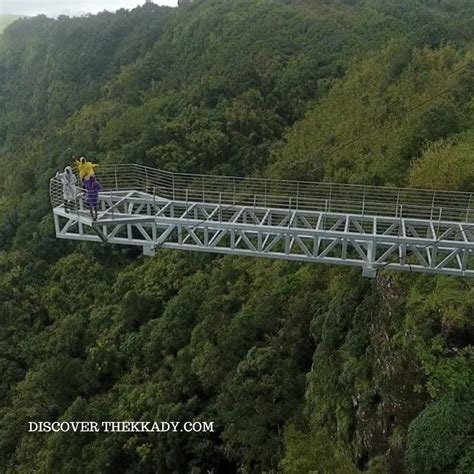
(301, 367)
(5, 20)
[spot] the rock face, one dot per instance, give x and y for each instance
(382, 419)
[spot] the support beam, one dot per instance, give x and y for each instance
(365, 241)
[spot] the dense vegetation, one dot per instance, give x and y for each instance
(302, 367)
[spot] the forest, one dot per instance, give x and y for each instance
(302, 367)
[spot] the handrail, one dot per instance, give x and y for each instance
(434, 205)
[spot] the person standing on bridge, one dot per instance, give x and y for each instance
(69, 181)
(86, 169)
(93, 187)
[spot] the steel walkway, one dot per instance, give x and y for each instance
(361, 226)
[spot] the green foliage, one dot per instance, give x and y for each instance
(386, 109)
(301, 367)
(314, 452)
(440, 438)
(446, 164)
(440, 327)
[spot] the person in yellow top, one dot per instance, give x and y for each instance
(86, 168)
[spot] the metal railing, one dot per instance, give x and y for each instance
(282, 194)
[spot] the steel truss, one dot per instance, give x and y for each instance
(371, 242)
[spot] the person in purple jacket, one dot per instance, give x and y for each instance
(93, 188)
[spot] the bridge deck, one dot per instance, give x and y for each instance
(419, 231)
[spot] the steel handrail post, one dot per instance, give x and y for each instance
(112, 206)
(468, 210)
(220, 207)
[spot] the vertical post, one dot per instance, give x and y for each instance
(187, 197)
(468, 207)
(400, 225)
(104, 207)
(76, 203)
(434, 254)
(369, 271)
(112, 205)
(56, 223)
(174, 193)
(289, 221)
(81, 208)
(363, 205)
(325, 214)
(203, 194)
(220, 207)
(154, 235)
(234, 192)
(432, 205)
(297, 194)
(330, 196)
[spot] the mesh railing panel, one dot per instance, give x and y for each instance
(297, 195)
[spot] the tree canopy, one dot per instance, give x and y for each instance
(303, 368)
